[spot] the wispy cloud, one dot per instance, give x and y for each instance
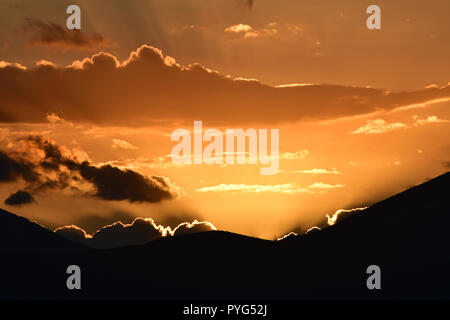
(48, 34)
(321, 185)
(289, 188)
(315, 171)
(255, 188)
(378, 126)
(122, 144)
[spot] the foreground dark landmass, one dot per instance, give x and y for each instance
(406, 235)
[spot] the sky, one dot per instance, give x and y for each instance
(86, 116)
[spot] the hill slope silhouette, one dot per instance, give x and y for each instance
(19, 234)
(406, 235)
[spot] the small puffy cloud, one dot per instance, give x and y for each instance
(19, 198)
(237, 28)
(430, 119)
(248, 31)
(5, 64)
(122, 144)
(45, 63)
(53, 118)
(378, 126)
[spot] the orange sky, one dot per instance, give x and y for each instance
(343, 144)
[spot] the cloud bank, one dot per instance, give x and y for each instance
(149, 86)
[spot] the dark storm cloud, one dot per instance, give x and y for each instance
(140, 231)
(43, 165)
(149, 87)
(19, 198)
(51, 34)
(11, 169)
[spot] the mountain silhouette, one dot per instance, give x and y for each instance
(406, 235)
(20, 234)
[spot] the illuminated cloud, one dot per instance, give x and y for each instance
(5, 64)
(269, 29)
(293, 85)
(55, 119)
(378, 126)
(140, 231)
(50, 34)
(321, 185)
(312, 229)
(301, 154)
(430, 119)
(73, 233)
(140, 89)
(122, 144)
(289, 188)
(294, 234)
(290, 234)
(237, 28)
(317, 171)
(331, 220)
(45, 63)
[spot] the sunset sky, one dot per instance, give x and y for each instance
(86, 116)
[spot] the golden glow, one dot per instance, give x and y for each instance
(165, 231)
(333, 218)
